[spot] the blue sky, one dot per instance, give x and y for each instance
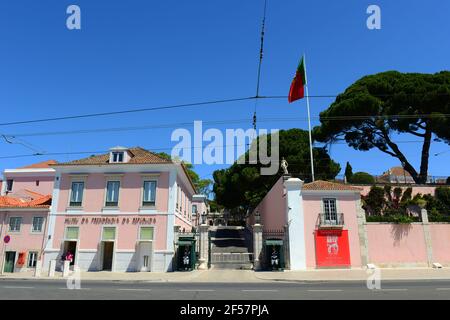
(134, 54)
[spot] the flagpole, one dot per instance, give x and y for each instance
(309, 121)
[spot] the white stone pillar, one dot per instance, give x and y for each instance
(66, 269)
(38, 269)
(427, 235)
(204, 246)
(51, 269)
(296, 224)
(257, 246)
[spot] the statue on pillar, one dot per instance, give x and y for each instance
(284, 166)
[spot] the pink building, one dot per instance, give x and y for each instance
(119, 211)
(320, 219)
(324, 226)
(24, 208)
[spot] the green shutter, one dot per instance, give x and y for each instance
(109, 233)
(146, 233)
(72, 233)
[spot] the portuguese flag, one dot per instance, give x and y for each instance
(297, 90)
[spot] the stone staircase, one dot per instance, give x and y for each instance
(231, 248)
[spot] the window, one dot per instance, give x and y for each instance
(109, 233)
(76, 196)
(112, 193)
(194, 209)
(146, 233)
(32, 259)
(149, 197)
(72, 233)
(14, 224)
(117, 157)
(329, 207)
(9, 185)
(37, 224)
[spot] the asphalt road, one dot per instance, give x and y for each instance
(111, 290)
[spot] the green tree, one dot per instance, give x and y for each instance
(241, 187)
(348, 172)
(375, 108)
(362, 178)
(203, 186)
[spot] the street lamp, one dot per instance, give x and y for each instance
(204, 217)
(257, 217)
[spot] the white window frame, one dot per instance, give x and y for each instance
(72, 181)
(116, 155)
(42, 225)
(112, 179)
(115, 233)
(71, 239)
(139, 233)
(336, 207)
(144, 180)
(20, 224)
(36, 258)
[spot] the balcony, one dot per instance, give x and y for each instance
(331, 221)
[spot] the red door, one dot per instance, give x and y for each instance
(332, 249)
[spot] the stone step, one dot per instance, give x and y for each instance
(232, 266)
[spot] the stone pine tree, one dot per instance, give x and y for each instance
(348, 172)
(373, 110)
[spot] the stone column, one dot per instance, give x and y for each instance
(296, 224)
(427, 235)
(257, 246)
(362, 232)
(51, 269)
(66, 270)
(38, 269)
(204, 245)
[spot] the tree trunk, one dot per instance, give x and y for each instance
(423, 175)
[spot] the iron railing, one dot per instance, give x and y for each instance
(335, 220)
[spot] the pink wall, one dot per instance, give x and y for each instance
(24, 240)
(415, 189)
(396, 243)
(127, 232)
(440, 239)
(183, 224)
(45, 184)
(346, 204)
(129, 196)
(272, 208)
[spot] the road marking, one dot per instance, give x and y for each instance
(74, 288)
(399, 289)
(259, 290)
(442, 289)
(134, 289)
(190, 290)
(325, 290)
(14, 287)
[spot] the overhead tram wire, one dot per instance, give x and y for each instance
(261, 55)
(186, 105)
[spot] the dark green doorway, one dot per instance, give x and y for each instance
(10, 258)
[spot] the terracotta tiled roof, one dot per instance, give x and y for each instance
(10, 202)
(327, 185)
(138, 156)
(397, 171)
(43, 164)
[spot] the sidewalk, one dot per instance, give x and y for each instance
(247, 275)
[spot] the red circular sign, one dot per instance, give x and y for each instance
(6, 239)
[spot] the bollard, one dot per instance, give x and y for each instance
(66, 269)
(38, 269)
(51, 270)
